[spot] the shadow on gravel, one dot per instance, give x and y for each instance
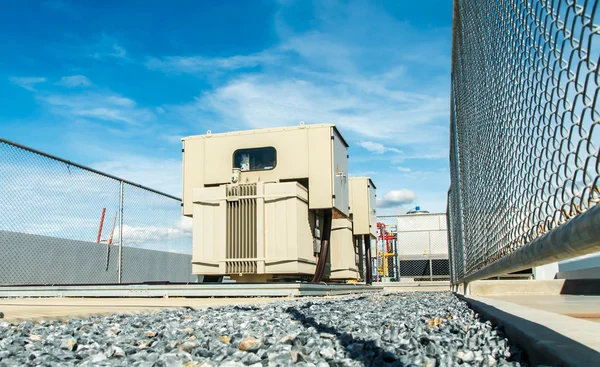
(365, 351)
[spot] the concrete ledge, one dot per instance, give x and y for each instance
(188, 290)
(391, 287)
(37, 309)
(515, 287)
(534, 287)
(589, 273)
(547, 338)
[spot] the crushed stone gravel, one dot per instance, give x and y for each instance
(401, 329)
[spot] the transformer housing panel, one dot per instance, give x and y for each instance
(363, 206)
(343, 252)
(258, 228)
(315, 154)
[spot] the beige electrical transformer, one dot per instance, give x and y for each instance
(270, 204)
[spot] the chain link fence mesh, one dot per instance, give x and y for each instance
(51, 231)
(525, 132)
(414, 247)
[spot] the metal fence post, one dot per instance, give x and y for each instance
(456, 159)
(120, 260)
(429, 255)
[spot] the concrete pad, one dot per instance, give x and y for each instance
(583, 307)
(548, 338)
(588, 273)
(413, 286)
(37, 309)
(487, 288)
(188, 290)
(64, 302)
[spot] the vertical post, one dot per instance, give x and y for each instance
(368, 261)
(449, 233)
(120, 259)
(101, 225)
(456, 159)
(398, 253)
(399, 268)
(361, 255)
(430, 269)
(430, 261)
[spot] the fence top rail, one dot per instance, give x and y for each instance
(35, 151)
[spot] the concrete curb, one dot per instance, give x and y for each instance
(547, 338)
(188, 290)
(578, 287)
(392, 287)
(37, 309)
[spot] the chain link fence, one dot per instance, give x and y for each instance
(412, 247)
(525, 132)
(64, 223)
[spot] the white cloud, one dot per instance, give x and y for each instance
(362, 174)
(267, 101)
(439, 175)
(74, 81)
(118, 51)
(27, 82)
(404, 169)
(199, 64)
(377, 147)
(172, 238)
(159, 174)
(121, 101)
(396, 198)
(98, 106)
(108, 48)
(332, 74)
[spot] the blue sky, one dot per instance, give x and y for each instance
(116, 84)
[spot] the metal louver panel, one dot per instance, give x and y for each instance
(241, 229)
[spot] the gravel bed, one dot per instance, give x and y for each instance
(417, 329)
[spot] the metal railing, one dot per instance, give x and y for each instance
(64, 223)
(525, 135)
(413, 247)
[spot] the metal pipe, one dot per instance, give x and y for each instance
(579, 236)
(430, 270)
(368, 263)
(101, 225)
(35, 151)
(120, 260)
(324, 253)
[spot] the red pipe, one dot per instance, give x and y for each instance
(101, 224)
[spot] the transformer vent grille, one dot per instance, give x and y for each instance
(240, 267)
(241, 229)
